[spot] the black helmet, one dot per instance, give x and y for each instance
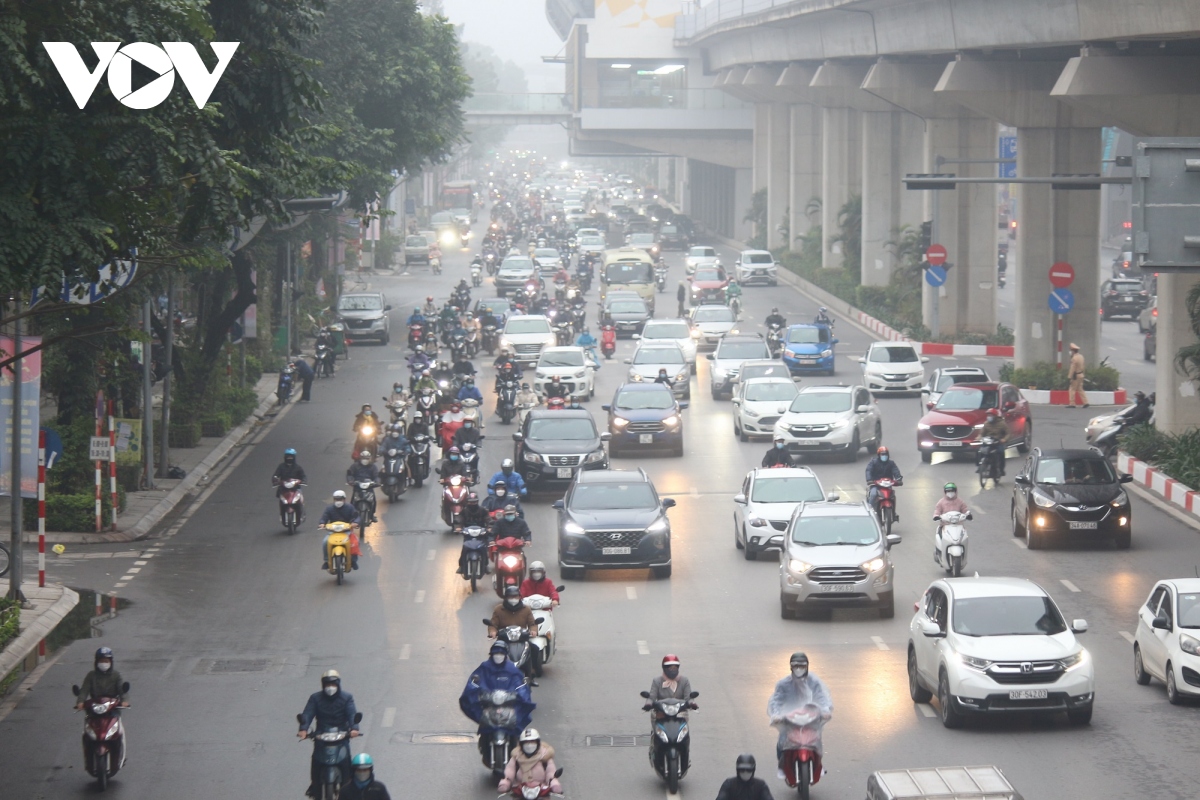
(799, 658)
(511, 591)
(746, 762)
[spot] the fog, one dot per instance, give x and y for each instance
(517, 30)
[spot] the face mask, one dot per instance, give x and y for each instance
(512, 602)
(507, 470)
(529, 748)
(779, 445)
(799, 672)
(331, 690)
(498, 658)
(745, 774)
(467, 425)
(509, 517)
(536, 576)
(362, 777)
(339, 503)
(454, 458)
(951, 495)
(501, 492)
(364, 461)
(883, 458)
(104, 666)
(671, 672)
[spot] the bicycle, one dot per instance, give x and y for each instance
(5, 559)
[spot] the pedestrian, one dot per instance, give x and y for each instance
(306, 376)
(1075, 375)
(681, 296)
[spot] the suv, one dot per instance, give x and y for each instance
(554, 445)
(365, 316)
(732, 351)
(513, 274)
(416, 248)
(1064, 491)
(893, 367)
(953, 424)
(997, 645)
(756, 266)
(645, 415)
(809, 348)
(613, 519)
(831, 419)
(1123, 297)
(835, 555)
(526, 335)
(764, 506)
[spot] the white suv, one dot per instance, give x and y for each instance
(995, 646)
(572, 366)
(756, 266)
(831, 419)
(893, 367)
(661, 331)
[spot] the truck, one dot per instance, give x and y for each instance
(941, 783)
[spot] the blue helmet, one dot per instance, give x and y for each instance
(362, 760)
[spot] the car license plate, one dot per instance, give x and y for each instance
(616, 551)
(836, 587)
(565, 472)
(808, 361)
(760, 272)
(1083, 526)
(808, 443)
(645, 438)
(1028, 694)
(950, 444)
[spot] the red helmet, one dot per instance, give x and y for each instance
(882, 451)
(670, 660)
(993, 412)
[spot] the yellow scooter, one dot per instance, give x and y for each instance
(337, 548)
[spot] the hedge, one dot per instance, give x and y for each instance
(1176, 454)
(73, 513)
(1044, 375)
(10, 621)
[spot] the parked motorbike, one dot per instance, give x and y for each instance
(287, 382)
(324, 360)
(506, 401)
(103, 736)
(363, 500)
(339, 548)
(474, 552)
(950, 542)
(418, 458)
(520, 650)
(394, 472)
(543, 644)
(291, 504)
(801, 762)
(454, 499)
(669, 753)
(885, 503)
(508, 554)
(988, 460)
(333, 751)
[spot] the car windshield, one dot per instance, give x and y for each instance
(591, 241)
(545, 252)
(742, 351)
(629, 272)
(760, 258)
(520, 325)
(441, 218)
(1089, 471)
(797, 489)
(641, 238)
(713, 315)
(946, 381)
(627, 307)
(658, 355)
(764, 371)
(702, 252)
(808, 336)
(820, 402)
(360, 302)
(609, 496)
(893, 355)
(575, 429)
(497, 307)
(709, 274)
(416, 241)
(1127, 286)
(517, 264)
(1007, 616)
(639, 400)
(819, 531)
(561, 358)
(666, 330)
(1189, 610)
(780, 391)
(968, 399)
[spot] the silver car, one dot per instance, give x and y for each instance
(831, 419)
(649, 359)
(513, 274)
(710, 323)
(733, 351)
(756, 266)
(701, 256)
(676, 331)
(836, 556)
(764, 506)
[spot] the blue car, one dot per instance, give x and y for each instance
(808, 348)
(645, 416)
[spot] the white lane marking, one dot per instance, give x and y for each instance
(141, 563)
(675, 796)
(1070, 586)
(389, 717)
(643, 648)
(133, 570)
(120, 585)
(406, 652)
(431, 555)
(927, 710)
(880, 643)
(1127, 636)
(420, 598)
(631, 592)
(1020, 543)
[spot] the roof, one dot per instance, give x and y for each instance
(890, 344)
(768, 252)
(836, 510)
(559, 348)
(1183, 584)
(784, 472)
(827, 388)
(757, 379)
(994, 587)
(643, 386)
(537, 413)
(959, 387)
(611, 476)
(1081, 452)
(963, 371)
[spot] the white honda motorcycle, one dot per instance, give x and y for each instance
(950, 542)
(544, 643)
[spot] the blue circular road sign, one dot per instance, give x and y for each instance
(1061, 300)
(935, 276)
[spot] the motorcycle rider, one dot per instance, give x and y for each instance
(775, 318)
(556, 388)
(419, 361)
(364, 469)
(733, 291)
(532, 762)
(509, 524)
(474, 513)
(509, 476)
(950, 501)
(447, 317)
(538, 583)
(882, 466)
(467, 433)
(495, 673)
(425, 383)
(745, 786)
(663, 377)
(995, 427)
(286, 471)
(589, 344)
(505, 356)
(337, 511)
(362, 785)
(416, 317)
(511, 611)
(498, 497)
(798, 689)
(102, 681)
(488, 317)
(1143, 410)
(823, 317)
(463, 291)
(778, 455)
(331, 708)
(670, 684)
(469, 391)
(527, 399)
(430, 310)
(452, 464)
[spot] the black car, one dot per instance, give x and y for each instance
(1060, 492)
(645, 416)
(613, 519)
(1122, 297)
(552, 446)
(673, 237)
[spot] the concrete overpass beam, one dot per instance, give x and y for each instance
(1177, 409)
(805, 167)
(1145, 95)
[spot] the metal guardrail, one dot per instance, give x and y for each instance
(533, 103)
(696, 19)
(679, 99)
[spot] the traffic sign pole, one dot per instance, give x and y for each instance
(1058, 319)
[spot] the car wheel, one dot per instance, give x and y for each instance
(786, 611)
(878, 440)
(716, 394)
(1139, 669)
(1034, 541)
(1080, 716)
(571, 573)
(662, 572)
(852, 452)
(679, 449)
(927, 456)
(1123, 540)
(741, 433)
(737, 540)
(1017, 530)
(1173, 695)
(888, 609)
(951, 716)
(916, 691)
(1027, 443)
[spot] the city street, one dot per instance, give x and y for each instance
(232, 622)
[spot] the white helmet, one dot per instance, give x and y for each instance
(530, 735)
(339, 495)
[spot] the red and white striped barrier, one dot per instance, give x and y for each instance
(1058, 397)
(942, 349)
(1169, 489)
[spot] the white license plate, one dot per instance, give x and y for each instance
(1083, 526)
(836, 587)
(951, 444)
(1028, 694)
(645, 438)
(760, 272)
(808, 443)
(616, 551)
(565, 472)
(808, 361)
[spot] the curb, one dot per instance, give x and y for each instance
(1157, 484)
(27, 640)
(1058, 397)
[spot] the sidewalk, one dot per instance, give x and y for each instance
(50, 605)
(145, 509)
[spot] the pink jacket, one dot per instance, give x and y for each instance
(538, 768)
(946, 504)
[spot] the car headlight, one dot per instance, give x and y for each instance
(1189, 644)
(532, 458)
(838, 423)
(595, 457)
(874, 565)
(683, 376)
(696, 334)
(573, 528)
(1042, 500)
(751, 413)
(1120, 500)
(789, 354)
(922, 426)
(635, 376)
(719, 373)
(671, 421)
(980, 664)
(505, 343)
(582, 373)
(826, 353)
(619, 422)
(540, 375)
(1077, 659)
(659, 525)
(799, 567)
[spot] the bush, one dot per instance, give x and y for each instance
(1044, 375)
(73, 513)
(214, 424)
(10, 620)
(129, 477)
(254, 369)
(184, 434)
(1180, 457)
(1143, 442)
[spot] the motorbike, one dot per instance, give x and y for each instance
(991, 454)
(885, 503)
(491, 338)
(454, 499)
(608, 341)
(506, 401)
(324, 360)
(563, 330)
(801, 762)
(497, 728)
(363, 500)
(397, 408)
(543, 644)
(508, 554)
(523, 410)
(431, 343)
(950, 542)
(418, 458)
(339, 548)
(660, 277)
(366, 439)
(287, 382)
(476, 275)
(491, 262)
(435, 263)
(474, 555)
(416, 334)
(520, 651)
(775, 339)
(458, 346)
(291, 503)
(1116, 424)
(671, 742)
(472, 342)
(103, 736)
(394, 474)
(470, 462)
(333, 751)
(425, 409)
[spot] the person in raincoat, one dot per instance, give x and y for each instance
(496, 673)
(799, 689)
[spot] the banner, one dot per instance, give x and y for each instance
(129, 441)
(31, 391)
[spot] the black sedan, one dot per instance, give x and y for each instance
(1070, 492)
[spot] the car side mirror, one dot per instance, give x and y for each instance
(1081, 626)
(932, 630)
(862, 361)
(924, 360)
(833, 341)
(606, 407)
(606, 436)
(1160, 623)
(387, 308)
(930, 405)
(737, 401)
(862, 409)
(711, 356)
(893, 539)
(558, 772)
(739, 498)
(1125, 479)
(628, 360)
(832, 497)
(1010, 405)
(1022, 480)
(668, 502)
(518, 437)
(683, 404)
(645, 695)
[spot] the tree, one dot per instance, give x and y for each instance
(757, 215)
(849, 235)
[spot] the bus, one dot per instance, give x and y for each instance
(628, 268)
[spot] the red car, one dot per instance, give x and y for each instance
(952, 425)
(708, 285)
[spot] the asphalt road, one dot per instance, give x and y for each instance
(232, 623)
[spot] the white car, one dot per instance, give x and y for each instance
(893, 367)
(649, 359)
(526, 336)
(831, 419)
(758, 403)
(701, 256)
(676, 331)
(592, 244)
(548, 259)
(756, 266)
(1167, 643)
(996, 646)
(710, 323)
(945, 377)
(572, 366)
(582, 232)
(764, 506)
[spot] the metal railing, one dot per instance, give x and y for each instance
(683, 99)
(533, 103)
(696, 19)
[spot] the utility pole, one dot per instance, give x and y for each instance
(147, 399)
(165, 453)
(287, 298)
(16, 561)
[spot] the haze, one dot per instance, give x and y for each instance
(517, 30)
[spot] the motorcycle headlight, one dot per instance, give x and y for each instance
(659, 526)
(874, 565)
(671, 421)
(532, 458)
(683, 731)
(573, 528)
(1042, 500)
(799, 567)
(1120, 500)
(661, 734)
(1189, 644)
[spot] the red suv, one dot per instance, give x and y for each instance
(952, 425)
(708, 285)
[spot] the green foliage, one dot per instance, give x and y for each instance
(1180, 457)
(185, 434)
(10, 620)
(1187, 359)
(849, 235)
(1046, 376)
(74, 512)
(1144, 442)
(757, 216)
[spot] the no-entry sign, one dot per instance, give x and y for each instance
(1062, 275)
(936, 255)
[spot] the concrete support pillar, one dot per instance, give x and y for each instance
(841, 174)
(683, 185)
(762, 127)
(805, 168)
(1177, 409)
(743, 179)
(779, 120)
(892, 144)
(1057, 226)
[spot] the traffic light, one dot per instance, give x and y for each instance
(926, 236)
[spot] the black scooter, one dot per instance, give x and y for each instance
(333, 753)
(670, 744)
